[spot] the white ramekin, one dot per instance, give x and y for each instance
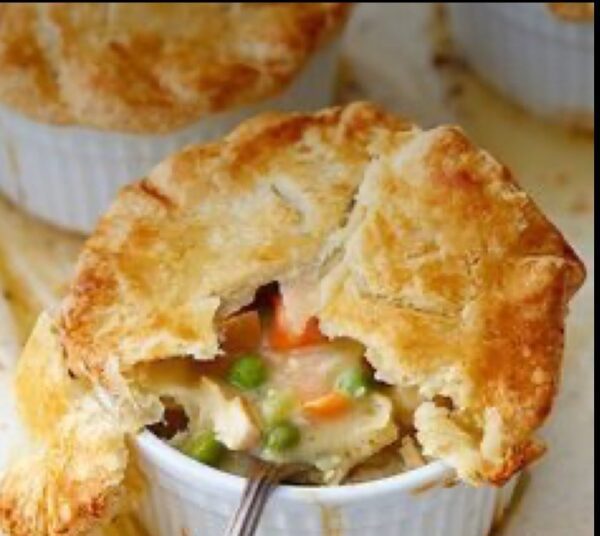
(69, 175)
(185, 497)
(542, 62)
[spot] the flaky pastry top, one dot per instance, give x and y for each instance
(153, 67)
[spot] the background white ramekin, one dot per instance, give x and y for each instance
(185, 497)
(543, 63)
(68, 175)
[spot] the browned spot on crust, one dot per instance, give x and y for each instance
(460, 179)
(520, 456)
(153, 191)
(149, 92)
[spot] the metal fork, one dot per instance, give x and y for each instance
(264, 477)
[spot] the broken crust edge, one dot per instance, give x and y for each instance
(442, 438)
(76, 472)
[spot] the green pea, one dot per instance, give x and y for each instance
(282, 436)
(205, 448)
(248, 372)
(354, 382)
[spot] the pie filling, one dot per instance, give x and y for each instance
(283, 392)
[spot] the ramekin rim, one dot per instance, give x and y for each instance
(169, 460)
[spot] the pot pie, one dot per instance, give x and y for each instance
(153, 67)
(312, 289)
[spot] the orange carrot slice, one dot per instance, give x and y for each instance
(282, 338)
(328, 406)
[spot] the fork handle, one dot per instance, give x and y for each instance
(247, 515)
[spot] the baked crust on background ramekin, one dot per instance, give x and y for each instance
(153, 68)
